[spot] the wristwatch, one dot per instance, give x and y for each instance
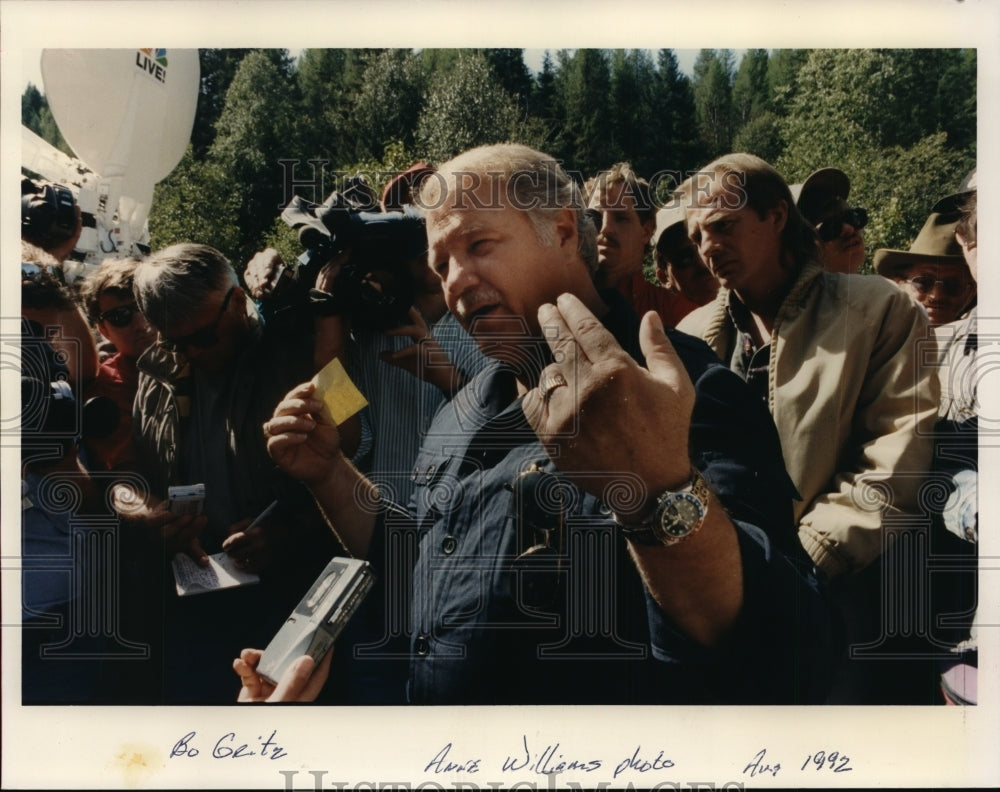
(678, 515)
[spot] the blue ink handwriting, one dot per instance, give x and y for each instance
(228, 747)
(441, 765)
(547, 762)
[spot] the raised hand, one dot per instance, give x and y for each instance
(298, 440)
(605, 416)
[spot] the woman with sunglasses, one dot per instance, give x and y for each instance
(110, 305)
(933, 271)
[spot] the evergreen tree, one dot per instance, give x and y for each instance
(544, 104)
(681, 148)
(217, 68)
(783, 77)
(713, 81)
(584, 88)
(635, 129)
(751, 91)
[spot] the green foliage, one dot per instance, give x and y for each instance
(761, 136)
(882, 117)
(37, 116)
(713, 97)
(583, 82)
(751, 92)
(901, 123)
(255, 130)
(396, 158)
(902, 190)
(631, 122)
(196, 203)
(465, 107)
(783, 76)
(284, 239)
(674, 113)
(387, 106)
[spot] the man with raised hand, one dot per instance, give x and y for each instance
(588, 530)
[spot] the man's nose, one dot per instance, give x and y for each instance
(606, 230)
(708, 246)
(461, 275)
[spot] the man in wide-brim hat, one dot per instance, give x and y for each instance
(933, 271)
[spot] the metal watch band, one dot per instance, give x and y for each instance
(652, 530)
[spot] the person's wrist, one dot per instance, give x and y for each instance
(673, 480)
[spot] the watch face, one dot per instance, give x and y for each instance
(682, 515)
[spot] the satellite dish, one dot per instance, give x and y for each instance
(124, 112)
(127, 114)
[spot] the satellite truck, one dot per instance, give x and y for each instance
(127, 115)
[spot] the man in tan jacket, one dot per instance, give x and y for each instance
(837, 359)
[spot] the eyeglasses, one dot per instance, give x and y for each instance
(202, 338)
(953, 287)
(121, 316)
(830, 227)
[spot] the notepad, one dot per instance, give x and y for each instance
(221, 573)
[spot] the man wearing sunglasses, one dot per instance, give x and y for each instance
(111, 306)
(933, 271)
(204, 389)
(822, 200)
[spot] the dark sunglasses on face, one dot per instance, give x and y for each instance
(202, 338)
(121, 316)
(831, 227)
(953, 287)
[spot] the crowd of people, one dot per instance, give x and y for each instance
(574, 484)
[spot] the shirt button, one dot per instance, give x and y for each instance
(448, 545)
(422, 646)
(430, 473)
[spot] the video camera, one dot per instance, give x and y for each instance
(48, 209)
(48, 213)
(375, 287)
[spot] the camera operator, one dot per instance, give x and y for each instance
(405, 358)
(50, 218)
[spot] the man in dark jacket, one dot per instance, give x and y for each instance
(651, 559)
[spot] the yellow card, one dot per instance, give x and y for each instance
(341, 399)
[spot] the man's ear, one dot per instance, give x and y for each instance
(566, 230)
(779, 215)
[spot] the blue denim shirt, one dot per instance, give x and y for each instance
(474, 640)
